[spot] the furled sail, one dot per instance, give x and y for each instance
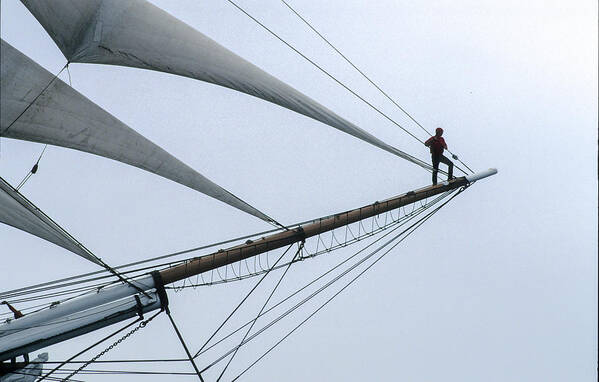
(17, 211)
(138, 34)
(61, 116)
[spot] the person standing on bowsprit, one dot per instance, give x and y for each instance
(437, 145)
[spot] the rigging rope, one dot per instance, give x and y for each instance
(95, 287)
(409, 157)
(321, 289)
(32, 171)
(35, 99)
(415, 226)
(239, 305)
(299, 250)
(367, 78)
(113, 345)
(86, 349)
(168, 313)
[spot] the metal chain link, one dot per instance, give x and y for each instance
(113, 345)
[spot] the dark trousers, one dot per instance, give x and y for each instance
(440, 158)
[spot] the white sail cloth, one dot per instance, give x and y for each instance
(17, 211)
(138, 34)
(62, 116)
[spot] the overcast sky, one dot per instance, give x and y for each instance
(501, 285)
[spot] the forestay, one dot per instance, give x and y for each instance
(138, 34)
(17, 211)
(62, 116)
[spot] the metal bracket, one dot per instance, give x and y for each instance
(159, 285)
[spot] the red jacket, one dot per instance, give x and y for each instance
(436, 144)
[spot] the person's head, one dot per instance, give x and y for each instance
(439, 132)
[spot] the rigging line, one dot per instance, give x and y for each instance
(24, 372)
(33, 169)
(58, 321)
(363, 74)
(101, 285)
(354, 66)
(401, 222)
(88, 348)
(273, 307)
(239, 305)
(299, 250)
(125, 372)
(290, 310)
(422, 221)
(315, 293)
(413, 159)
(28, 289)
(95, 286)
(29, 205)
(173, 254)
(35, 99)
(296, 292)
(113, 345)
(168, 313)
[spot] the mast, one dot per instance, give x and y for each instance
(118, 303)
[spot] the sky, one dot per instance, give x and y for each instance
(501, 285)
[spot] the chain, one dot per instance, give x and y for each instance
(112, 346)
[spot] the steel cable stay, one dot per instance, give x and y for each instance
(264, 313)
(384, 93)
(415, 227)
(30, 288)
(439, 198)
(406, 231)
(239, 305)
(95, 287)
(319, 251)
(408, 157)
(142, 324)
(63, 320)
(173, 254)
(299, 250)
(198, 265)
(180, 336)
(243, 326)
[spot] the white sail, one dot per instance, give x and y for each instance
(61, 116)
(17, 211)
(138, 34)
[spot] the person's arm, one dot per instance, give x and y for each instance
(428, 142)
(444, 144)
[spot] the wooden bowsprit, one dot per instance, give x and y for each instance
(88, 313)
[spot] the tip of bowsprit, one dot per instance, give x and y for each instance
(481, 175)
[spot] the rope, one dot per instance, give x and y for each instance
(312, 295)
(88, 348)
(13, 292)
(113, 345)
(415, 226)
(239, 305)
(411, 158)
(35, 99)
(299, 250)
(33, 170)
(368, 79)
(168, 313)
